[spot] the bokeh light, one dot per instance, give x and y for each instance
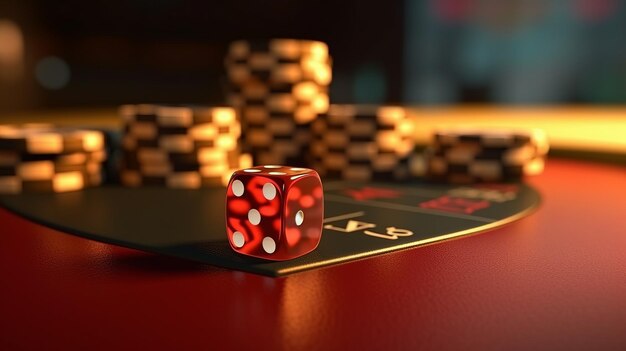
(52, 73)
(11, 50)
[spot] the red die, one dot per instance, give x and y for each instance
(274, 212)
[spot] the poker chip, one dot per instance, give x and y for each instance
(180, 175)
(302, 90)
(281, 49)
(11, 158)
(179, 143)
(179, 146)
(43, 170)
(45, 140)
(279, 61)
(202, 156)
(47, 158)
(178, 116)
(279, 140)
(492, 138)
(205, 131)
(178, 128)
(279, 104)
(279, 87)
(361, 142)
(208, 163)
(462, 156)
(52, 181)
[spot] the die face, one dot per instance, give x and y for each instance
(284, 175)
(303, 215)
(254, 215)
(274, 212)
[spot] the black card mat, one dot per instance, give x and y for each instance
(362, 220)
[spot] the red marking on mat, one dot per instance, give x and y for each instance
(455, 204)
(368, 193)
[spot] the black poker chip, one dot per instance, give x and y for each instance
(179, 146)
(178, 115)
(47, 140)
(43, 169)
(469, 155)
(492, 138)
(57, 182)
(184, 160)
(360, 142)
(12, 158)
(279, 86)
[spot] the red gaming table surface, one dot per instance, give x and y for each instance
(553, 280)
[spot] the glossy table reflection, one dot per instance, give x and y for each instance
(553, 280)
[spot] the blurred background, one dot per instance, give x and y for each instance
(104, 53)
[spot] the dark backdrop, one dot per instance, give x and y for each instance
(411, 51)
(172, 51)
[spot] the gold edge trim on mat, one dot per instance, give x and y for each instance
(465, 232)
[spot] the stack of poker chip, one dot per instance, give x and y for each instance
(179, 146)
(463, 156)
(45, 158)
(361, 143)
(279, 87)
